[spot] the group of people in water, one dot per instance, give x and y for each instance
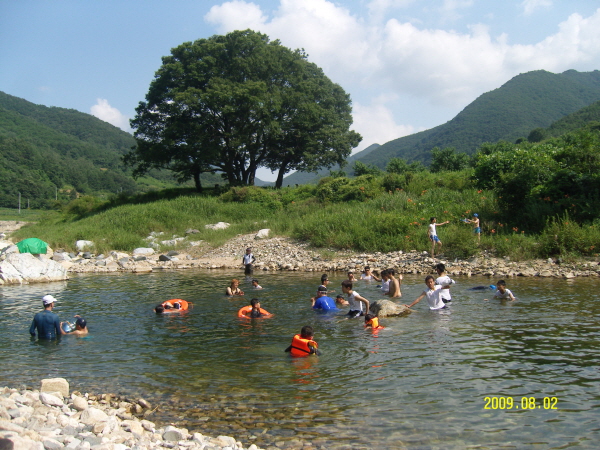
(303, 344)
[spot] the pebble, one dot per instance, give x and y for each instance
(31, 420)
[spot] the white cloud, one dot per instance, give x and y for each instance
(103, 111)
(376, 124)
(529, 6)
(436, 66)
(235, 15)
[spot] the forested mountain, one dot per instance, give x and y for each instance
(50, 152)
(528, 101)
(574, 121)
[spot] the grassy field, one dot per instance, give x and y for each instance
(364, 214)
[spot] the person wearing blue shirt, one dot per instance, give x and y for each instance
(322, 301)
(46, 322)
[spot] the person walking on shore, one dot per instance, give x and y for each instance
(476, 227)
(432, 233)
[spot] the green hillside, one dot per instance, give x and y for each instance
(575, 121)
(528, 101)
(49, 153)
(311, 177)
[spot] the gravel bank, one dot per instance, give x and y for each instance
(52, 418)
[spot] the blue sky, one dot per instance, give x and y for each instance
(408, 65)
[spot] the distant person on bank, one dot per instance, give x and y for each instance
(248, 260)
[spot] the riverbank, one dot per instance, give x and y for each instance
(283, 253)
(52, 418)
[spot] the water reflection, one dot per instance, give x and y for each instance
(418, 383)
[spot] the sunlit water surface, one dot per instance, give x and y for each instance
(420, 383)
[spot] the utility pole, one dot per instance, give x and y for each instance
(19, 203)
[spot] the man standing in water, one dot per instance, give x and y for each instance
(46, 322)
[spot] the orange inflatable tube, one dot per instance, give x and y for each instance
(246, 310)
(175, 305)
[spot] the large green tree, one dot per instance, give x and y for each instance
(238, 102)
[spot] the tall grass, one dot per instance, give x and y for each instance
(358, 214)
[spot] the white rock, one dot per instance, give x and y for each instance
(50, 400)
(25, 268)
(262, 234)
(217, 226)
(80, 403)
(82, 245)
(143, 251)
(90, 416)
(172, 434)
(55, 385)
(52, 444)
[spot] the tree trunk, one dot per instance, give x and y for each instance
(280, 175)
(197, 181)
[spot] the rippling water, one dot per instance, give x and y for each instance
(420, 383)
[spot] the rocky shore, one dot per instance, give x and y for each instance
(53, 418)
(275, 253)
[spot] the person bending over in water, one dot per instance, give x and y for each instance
(234, 288)
(303, 344)
(502, 293)
(253, 311)
(433, 294)
(355, 300)
(80, 327)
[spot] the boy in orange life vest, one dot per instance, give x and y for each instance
(303, 343)
(371, 320)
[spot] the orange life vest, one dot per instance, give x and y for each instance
(183, 305)
(246, 310)
(374, 323)
(301, 347)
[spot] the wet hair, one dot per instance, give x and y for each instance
(324, 277)
(441, 267)
(501, 283)
(367, 268)
(391, 271)
(428, 277)
(369, 317)
(80, 322)
(254, 280)
(384, 273)
(159, 309)
(307, 332)
(432, 219)
(254, 302)
(347, 284)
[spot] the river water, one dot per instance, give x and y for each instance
(420, 383)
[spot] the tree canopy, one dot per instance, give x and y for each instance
(238, 102)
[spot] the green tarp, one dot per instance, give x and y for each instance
(32, 245)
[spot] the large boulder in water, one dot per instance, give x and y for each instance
(20, 268)
(387, 308)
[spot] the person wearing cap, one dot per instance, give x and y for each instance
(322, 300)
(46, 322)
(80, 327)
(476, 227)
